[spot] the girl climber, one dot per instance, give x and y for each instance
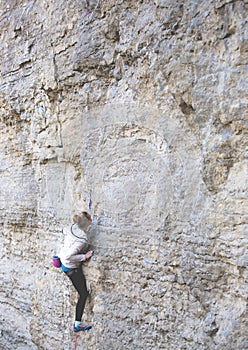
(72, 255)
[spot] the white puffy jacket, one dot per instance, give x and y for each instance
(75, 247)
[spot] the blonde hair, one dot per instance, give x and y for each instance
(82, 219)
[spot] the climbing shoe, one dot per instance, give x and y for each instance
(82, 327)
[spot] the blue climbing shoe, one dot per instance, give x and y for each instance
(82, 327)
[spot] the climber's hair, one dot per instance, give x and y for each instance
(82, 219)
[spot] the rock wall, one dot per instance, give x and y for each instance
(139, 108)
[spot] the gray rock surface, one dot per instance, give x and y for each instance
(140, 107)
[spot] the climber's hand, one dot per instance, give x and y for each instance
(89, 254)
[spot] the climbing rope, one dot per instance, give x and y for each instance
(90, 13)
(75, 345)
(87, 7)
(90, 201)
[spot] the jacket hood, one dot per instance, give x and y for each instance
(75, 231)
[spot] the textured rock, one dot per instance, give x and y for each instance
(140, 107)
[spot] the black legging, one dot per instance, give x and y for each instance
(78, 280)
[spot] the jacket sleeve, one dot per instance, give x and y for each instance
(76, 254)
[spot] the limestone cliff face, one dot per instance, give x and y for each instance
(141, 108)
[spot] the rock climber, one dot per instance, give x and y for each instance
(73, 254)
